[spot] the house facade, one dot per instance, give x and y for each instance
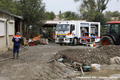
(9, 25)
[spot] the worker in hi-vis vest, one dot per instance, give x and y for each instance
(16, 39)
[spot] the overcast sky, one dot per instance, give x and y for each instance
(70, 5)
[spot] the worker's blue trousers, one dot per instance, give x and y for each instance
(16, 48)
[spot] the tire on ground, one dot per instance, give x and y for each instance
(106, 40)
(61, 44)
(75, 42)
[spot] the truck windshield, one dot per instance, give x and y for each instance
(62, 27)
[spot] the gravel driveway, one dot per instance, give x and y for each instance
(33, 64)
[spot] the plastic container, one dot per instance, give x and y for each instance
(96, 66)
(87, 68)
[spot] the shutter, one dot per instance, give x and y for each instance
(11, 29)
(2, 29)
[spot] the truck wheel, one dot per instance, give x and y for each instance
(60, 44)
(106, 40)
(75, 42)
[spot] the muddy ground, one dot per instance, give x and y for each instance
(40, 63)
(99, 55)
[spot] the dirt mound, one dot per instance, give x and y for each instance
(99, 55)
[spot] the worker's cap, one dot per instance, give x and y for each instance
(18, 33)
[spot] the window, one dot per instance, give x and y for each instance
(84, 24)
(62, 27)
(94, 29)
(114, 28)
(72, 27)
(2, 29)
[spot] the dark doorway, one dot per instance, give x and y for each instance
(17, 26)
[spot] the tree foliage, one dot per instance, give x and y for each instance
(33, 12)
(60, 15)
(112, 14)
(69, 15)
(9, 5)
(50, 15)
(91, 10)
(108, 15)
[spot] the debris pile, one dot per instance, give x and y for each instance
(37, 40)
(88, 56)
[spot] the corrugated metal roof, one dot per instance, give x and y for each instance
(6, 12)
(55, 22)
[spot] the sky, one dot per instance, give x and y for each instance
(70, 5)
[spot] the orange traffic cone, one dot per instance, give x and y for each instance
(94, 45)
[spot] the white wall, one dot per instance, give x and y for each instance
(9, 35)
(2, 28)
(2, 34)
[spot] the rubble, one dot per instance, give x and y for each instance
(88, 56)
(38, 63)
(115, 60)
(38, 40)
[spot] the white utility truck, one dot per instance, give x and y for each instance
(77, 32)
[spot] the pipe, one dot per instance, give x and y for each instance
(7, 33)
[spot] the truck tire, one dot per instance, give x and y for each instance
(106, 40)
(61, 44)
(75, 42)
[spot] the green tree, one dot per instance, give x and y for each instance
(9, 5)
(47, 14)
(108, 15)
(33, 12)
(91, 10)
(68, 15)
(115, 14)
(112, 14)
(60, 15)
(50, 15)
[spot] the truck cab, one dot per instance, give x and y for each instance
(113, 34)
(65, 32)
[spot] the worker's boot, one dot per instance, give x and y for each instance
(13, 55)
(17, 55)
